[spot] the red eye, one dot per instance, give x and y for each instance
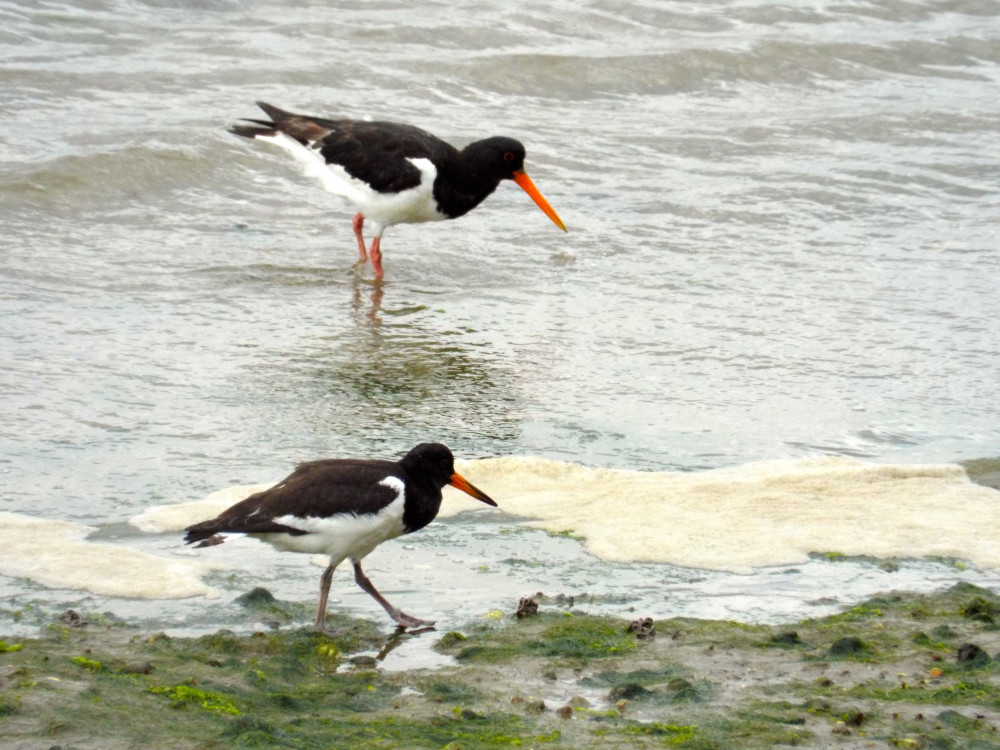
(509, 156)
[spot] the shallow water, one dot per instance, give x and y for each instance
(783, 229)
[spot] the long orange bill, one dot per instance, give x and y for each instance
(459, 483)
(522, 179)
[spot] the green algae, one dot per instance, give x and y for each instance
(85, 663)
(257, 598)
(888, 564)
(746, 731)
(984, 471)
(669, 684)
(452, 691)
(970, 693)
(710, 632)
(921, 638)
(586, 638)
(186, 694)
(849, 647)
(700, 685)
(566, 534)
(562, 635)
(982, 609)
(451, 638)
(467, 730)
(785, 639)
(678, 735)
(671, 735)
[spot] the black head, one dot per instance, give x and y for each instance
(499, 157)
(433, 462)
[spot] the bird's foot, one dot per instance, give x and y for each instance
(417, 630)
(325, 631)
(408, 621)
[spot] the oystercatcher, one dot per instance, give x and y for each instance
(344, 508)
(395, 173)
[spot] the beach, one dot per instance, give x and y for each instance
(895, 670)
(742, 396)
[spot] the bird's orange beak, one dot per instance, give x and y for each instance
(458, 482)
(522, 179)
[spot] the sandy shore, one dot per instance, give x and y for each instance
(899, 670)
(896, 671)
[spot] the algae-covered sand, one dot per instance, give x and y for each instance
(902, 670)
(897, 671)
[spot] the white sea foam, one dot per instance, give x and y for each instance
(162, 518)
(768, 513)
(56, 554)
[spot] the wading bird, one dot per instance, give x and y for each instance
(395, 173)
(344, 508)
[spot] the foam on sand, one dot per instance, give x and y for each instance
(768, 513)
(735, 519)
(158, 519)
(55, 554)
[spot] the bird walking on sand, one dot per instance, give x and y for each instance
(344, 508)
(395, 173)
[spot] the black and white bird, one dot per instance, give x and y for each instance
(344, 508)
(395, 173)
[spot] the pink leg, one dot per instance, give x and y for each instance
(376, 254)
(407, 621)
(319, 625)
(359, 221)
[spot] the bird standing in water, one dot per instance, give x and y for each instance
(344, 508)
(395, 173)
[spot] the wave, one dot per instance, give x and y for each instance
(110, 177)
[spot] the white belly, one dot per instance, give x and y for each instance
(342, 536)
(413, 205)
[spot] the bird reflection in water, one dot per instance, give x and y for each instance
(400, 636)
(366, 306)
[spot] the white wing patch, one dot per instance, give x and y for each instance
(345, 535)
(410, 206)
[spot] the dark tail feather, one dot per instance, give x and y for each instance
(211, 541)
(263, 127)
(252, 131)
(302, 128)
(281, 121)
(208, 535)
(278, 115)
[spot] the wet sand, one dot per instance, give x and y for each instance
(895, 671)
(911, 670)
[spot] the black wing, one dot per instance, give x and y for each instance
(315, 489)
(377, 153)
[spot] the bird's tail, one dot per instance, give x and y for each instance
(302, 128)
(264, 127)
(207, 533)
(260, 127)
